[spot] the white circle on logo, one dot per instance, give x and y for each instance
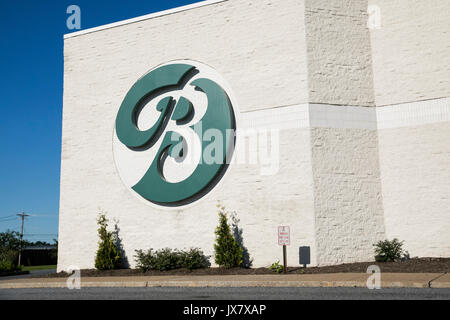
(132, 165)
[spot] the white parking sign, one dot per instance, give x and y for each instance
(284, 236)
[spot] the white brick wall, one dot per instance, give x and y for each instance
(411, 59)
(347, 194)
(338, 50)
(415, 170)
(254, 45)
(302, 66)
(411, 51)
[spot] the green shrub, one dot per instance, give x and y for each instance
(276, 267)
(228, 252)
(194, 259)
(7, 266)
(8, 260)
(108, 256)
(388, 251)
(168, 259)
(144, 260)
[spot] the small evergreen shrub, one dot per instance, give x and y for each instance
(168, 259)
(228, 252)
(108, 256)
(388, 251)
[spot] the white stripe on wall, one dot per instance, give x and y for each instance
(343, 117)
(349, 117)
(414, 113)
(290, 117)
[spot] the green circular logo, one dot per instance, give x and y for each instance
(175, 134)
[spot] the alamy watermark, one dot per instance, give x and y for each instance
(246, 146)
(74, 280)
(374, 17)
(374, 281)
(73, 22)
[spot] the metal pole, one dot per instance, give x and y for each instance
(22, 215)
(284, 259)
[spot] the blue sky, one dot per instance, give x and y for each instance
(31, 83)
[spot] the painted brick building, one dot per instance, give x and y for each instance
(360, 103)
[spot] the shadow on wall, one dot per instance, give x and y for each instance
(119, 246)
(237, 232)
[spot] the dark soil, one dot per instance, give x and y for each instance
(417, 265)
(13, 273)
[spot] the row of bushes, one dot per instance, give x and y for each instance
(228, 252)
(168, 259)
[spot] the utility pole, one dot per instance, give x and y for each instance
(22, 215)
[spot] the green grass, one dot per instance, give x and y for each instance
(31, 268)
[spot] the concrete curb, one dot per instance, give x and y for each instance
(443, 281)
(388, 280)
(200, 284)
(204, 284)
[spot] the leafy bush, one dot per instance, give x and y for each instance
(145, 260)
(228, 252)
(276, 267)
(108, 256)
(388, 251)
(8, 260)
(194, 259)
(168, 259)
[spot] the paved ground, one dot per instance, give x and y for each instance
(227, 293)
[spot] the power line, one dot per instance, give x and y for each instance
(38, 215)
(44, 215)
(12, 215)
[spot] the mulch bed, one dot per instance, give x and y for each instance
(417, 265)
(13, 273)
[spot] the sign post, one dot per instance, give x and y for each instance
(284, 239)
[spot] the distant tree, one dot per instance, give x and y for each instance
(9, 250)
(10, 240)
(38, 244)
